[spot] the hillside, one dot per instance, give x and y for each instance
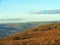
(48, 34)
(13, 28)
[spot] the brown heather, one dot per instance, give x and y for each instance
(39, 35)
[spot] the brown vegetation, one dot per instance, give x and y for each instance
(39, 35)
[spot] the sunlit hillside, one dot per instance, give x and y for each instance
(47, 34)
(13, 28)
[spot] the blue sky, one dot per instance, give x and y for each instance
(20, 7)
(17, 8)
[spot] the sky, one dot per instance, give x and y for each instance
(20, 8)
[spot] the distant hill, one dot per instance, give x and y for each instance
(13, 28)
(47, 34)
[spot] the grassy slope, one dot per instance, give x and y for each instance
(39, 35)
(12, 28)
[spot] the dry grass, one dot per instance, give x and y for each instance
(40, 35)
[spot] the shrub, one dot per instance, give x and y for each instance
(1, 44)
(44, 29)
(57, 41)
(16, 38)
(25, 35)
(24, 43)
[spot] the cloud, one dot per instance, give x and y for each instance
(13, 19)
(47, 12)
